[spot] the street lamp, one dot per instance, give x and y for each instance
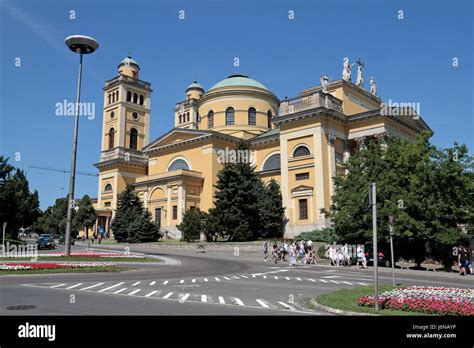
(81, 45)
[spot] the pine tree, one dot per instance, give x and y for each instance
(85, 216)
(192, 225)
(132, 222)
(272, 213)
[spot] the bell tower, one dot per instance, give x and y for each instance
(125, 131)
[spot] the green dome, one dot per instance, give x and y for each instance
(238, 80)
(194, 85)
(129, 61)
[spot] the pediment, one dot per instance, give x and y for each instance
(176, 135)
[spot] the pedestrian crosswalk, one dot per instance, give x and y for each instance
(130, 289)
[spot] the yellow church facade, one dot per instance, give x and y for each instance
(301, 142)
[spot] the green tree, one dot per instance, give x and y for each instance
(132, 222)
(271, 211)
(85, 216)
(19, 207)
(192, 225)
(54, 219)
(238, 190)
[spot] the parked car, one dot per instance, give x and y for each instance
(45, 243)
(62, 240)
(49, 235)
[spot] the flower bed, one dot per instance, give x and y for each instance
(30, 266)
(87, 254)
(430, 300)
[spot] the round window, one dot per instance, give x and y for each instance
(112, 114)
(135, 115)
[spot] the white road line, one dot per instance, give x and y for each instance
(221, 300)
(244, 276)
(203, 298)
(57, 286)
(193, 281)
(168, 295)
(165, 282)
(343, 281)
(264, 277)
(236, 277)
(184, 298)
(217, 279)
(110, 287)
(227, 278)
(92, 286)
(322, 280)
(151, 293)
(262, 303)
(287, 278)
(362, 283)
(329, 277)
(238, 301)
(153, 283)
(135, 284)
(276, 277)
(119, 291)
(205, 279)
(74, 286)
(333, 281)
(287, 306)
(312, 280)
(135, 291)
(181, 281)
(298, 279)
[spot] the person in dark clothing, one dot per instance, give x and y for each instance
(462, 258)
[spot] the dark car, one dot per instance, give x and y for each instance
(383, 259)
(45, 243)
(62, 240)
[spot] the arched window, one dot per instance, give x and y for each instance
(272, 162)
(252, 117)
(108, 188)
(187, 117)
(116, 96)
(269, 115)
(111, 138)
(141, 99)
(109, 98)
(178, 164)
(135, 98)
(301, 151)
(229, 116)
(180, 119)
(133, 139)
(129, 96)
(210, 119)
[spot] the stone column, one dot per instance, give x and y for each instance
(319, 182)
(169, 211)
(181, 202)
(331, 162)
(145, 199)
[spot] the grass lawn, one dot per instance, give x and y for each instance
(68, 270)
(346, 299)
(82, 258)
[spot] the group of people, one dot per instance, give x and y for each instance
(341, 256)
(295, 251)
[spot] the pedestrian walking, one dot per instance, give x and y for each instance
(462, 259)
(265, 250)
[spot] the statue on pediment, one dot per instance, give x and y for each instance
(360, 75)
(373, 87)
(324, 83)
(347, 69)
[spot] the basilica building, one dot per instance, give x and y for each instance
(301, 142)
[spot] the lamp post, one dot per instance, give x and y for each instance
(81, 45)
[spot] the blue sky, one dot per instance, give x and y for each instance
(411, 60)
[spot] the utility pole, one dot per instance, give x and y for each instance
(390, 226)
(373, 202)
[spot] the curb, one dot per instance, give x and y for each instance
(340, 311)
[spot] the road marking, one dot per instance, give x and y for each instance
(362, 283)
(217, 279)
(343, 281)
(181, 281)
(165, 282)
(153, 283)
(298, 279)
(333, 281)
(110, 287)
(193, 281)
(184, 298)
(329, 277)
(92, 286)
(56, 286)
(236, 277)
(264, 277)
(221, 300)
(227, 278)
(276, 277)
(168, 295)
(253, 275)
(322, 280)
(312, 280)
(262, 303)
(135, 291)
(151, 293)
(203, 298)
(287, 278)
(205, 279)
(119, 291)
(135, 284)
(287, 306)
(244, 276)
(238, 301)
(74, 286)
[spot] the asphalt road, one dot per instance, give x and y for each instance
(214, 283)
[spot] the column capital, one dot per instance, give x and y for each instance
(331, 138)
